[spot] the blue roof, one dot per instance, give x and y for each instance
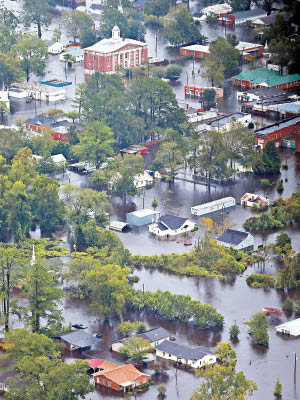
(74, 51)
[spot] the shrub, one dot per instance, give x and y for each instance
(261, 337)
(280, 187)
(288, 304)
(260, 280)
(278, 389)
(234, 331)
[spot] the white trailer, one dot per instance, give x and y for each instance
(212, 206)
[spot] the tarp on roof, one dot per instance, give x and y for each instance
(95, 362)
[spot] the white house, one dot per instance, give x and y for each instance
(155, 336)
(143, 180)
(254, 200)
(216, 9)
(170, 226)
(59, 160)
(56, 48)
(224, 123)
(196, 357)
(76, 53)
(236, 239)
(290, 328)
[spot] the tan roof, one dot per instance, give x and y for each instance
(123, 375)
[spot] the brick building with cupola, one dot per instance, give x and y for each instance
(111, 55)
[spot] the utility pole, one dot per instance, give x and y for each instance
(295, 368)
(156, 45)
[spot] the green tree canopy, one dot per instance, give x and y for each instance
(37, 12)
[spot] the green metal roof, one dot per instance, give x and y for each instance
(271, 78)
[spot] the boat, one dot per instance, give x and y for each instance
(272, 311)
(188, 243)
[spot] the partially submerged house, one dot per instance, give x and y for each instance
(289, 328)
(195, 357)
(236, 239)
(212, 206)
(142, 180)
(155, 336)
(122, 378)
(76, 340)
(224, 123)
(254, 200)
(170, 226)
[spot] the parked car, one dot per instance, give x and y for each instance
(98, 335)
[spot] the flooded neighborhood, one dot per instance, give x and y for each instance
(150, 199)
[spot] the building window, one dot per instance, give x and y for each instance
(121, 56)
(143, 52)
(137, 53)
(95, 66)
(94, 58)
(108, 59)
(90, 65)
(116, 58)
(131, 54)
(126, 55)
(144, 379)
(109, 383)
(164, 353)
(90, 57)
(103, 381)
(170, 355)
(108, 67)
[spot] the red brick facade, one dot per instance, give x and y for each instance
(111, 55)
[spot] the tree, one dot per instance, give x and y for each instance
(130, 25)
(135, 348)
(126, 327)
(10, 69)
(283, 241)
(223, 54)
(33, 52)
(161, 391)
(10, 273)
(76, 23)
(159, 8)
(265, 184)
(109, 290)
(46, 205)
(96, 143)
(271, 158)
(181, 28)
(234, 331)
(213, 72)
(88, 38)
(40, 369)
(288, 304)
(209, 98)
(212, 157)
(43, 299)
(37, 12)
(222, 382)
(124, 185)
(84, 205)
(240, 5)
(266, 4)
(259, 329)
(42, 142)
(278, 389)
(173, 72)
(232, 39)
(280, 52)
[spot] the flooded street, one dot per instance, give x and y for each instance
(234, 299)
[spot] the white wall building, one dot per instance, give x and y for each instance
(37, 91)
(4, 98)
(171, 226)
(196, 357)
(290, 328)
(212, 206)
(223, 124)
(56, 48)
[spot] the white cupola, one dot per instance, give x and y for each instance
(115, 33)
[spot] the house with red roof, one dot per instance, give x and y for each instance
(122, 378)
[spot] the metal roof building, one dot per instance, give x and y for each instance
(290, 328)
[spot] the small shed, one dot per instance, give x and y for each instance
(118, 226)
(142, 217)
(290, 328)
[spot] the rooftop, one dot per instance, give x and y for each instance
(197, 47)
(290, 325)
(110, 45)
(266, 76)
(288, 107)
(78, 338)
(221, 121)
(74, 51)
(143, 213)
(277, 126)
(172, 221)
(123, 375)
(232, 236)
(244, 46)
(250, 13)
(183, 351)
(155, 334)
(270, 19)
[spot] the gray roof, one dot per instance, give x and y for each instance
(179, 350)
(78, 338)
(276, 127)
(232, 236)
(270, 19)
(155, 334)
(250, 13)
(219, 122)
(267, 92)
(172, 221)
